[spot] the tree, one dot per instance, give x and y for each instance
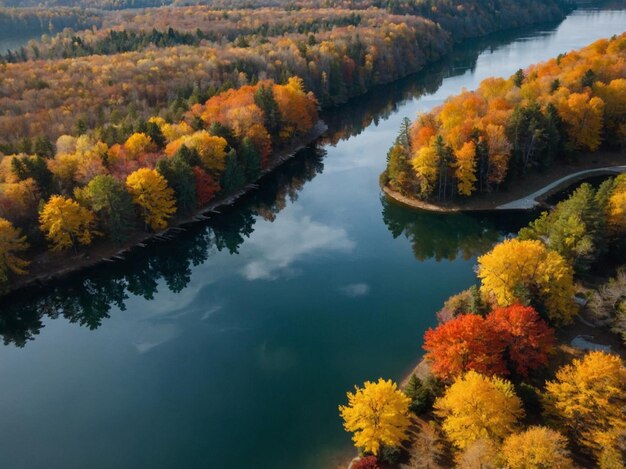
(66, 224)
(12, 243)
(466, 168)
(180, 177)
(206, 186)
(526, 272)
(138, 144)
(537, 448)
(588, 400)
(529, 340)
(426, 165)
(108, 198)
(617, 206)
(575, 228)
(467, 342)
(233, 177)
(583, 116)
(377, 414)
(422, 393)
(476, 407)
(152, 195)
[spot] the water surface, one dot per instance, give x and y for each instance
(232, 346)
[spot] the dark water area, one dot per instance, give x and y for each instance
(232, 346)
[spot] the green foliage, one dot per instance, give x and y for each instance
(179, 176)
(108, 198)
(576, 228)
(422, 393)
(233, 177)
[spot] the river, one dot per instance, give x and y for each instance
(232, 346)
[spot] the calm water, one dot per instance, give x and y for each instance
(233, 346)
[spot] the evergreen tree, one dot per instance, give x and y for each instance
(233, 177)
(180, 177)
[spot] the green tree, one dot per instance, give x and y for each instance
(108, 198)
(180, 177)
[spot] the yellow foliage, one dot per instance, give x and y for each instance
(588, 398)
(466, 168)
(583, 116)
(154, 197)
(377, 414)
(65, 223)
(426, 166)
(11, 243)
(617, 206)
(138, 144)
(536, 448)
(211, 149)
(522, 271)
(476, 407)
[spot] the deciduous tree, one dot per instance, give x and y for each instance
(66, 224)
(517, 271)
(12, 245)
(537, 448)
(476, 407)
(377, 414)
(153, 196)
(588, 400)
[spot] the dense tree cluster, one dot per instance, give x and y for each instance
(86, 188)
(484, 379)
(158, 66)
(481, 139)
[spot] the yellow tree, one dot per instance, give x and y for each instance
(527, 272)
(466, 168)
(211, 149)
(153, 196)
(476, 407)
(426, 167)
(617, 206)
(588, 399)
(138, 144)
(11, 244)
(377, 414)
(584, 118)
(66, 224)
(536, 448)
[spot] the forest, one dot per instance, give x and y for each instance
(497, 386)
(500, 383)
(76, 190)
(151, 68)
(484, 140)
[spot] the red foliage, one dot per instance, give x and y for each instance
(529, 338)
(368, 462)
(467, 342)
(206, 186)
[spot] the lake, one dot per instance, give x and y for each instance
(232, 346)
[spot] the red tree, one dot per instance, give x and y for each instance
(467, 342)
(529, 338)
(368, 462)
(206, 186)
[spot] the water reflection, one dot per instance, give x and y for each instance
(448, 236)
(86, 298)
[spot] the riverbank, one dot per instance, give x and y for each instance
(529, 192)
(46, 265)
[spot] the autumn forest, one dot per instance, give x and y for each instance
(196, 236)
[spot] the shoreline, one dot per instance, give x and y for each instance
(53, 266)
(527, 194)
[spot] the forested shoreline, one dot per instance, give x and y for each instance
(483, 140)
(512, 375)
(105, 141)
(341, 54)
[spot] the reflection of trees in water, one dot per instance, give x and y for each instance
(447, 236)
(86, 298)
(384, 100)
